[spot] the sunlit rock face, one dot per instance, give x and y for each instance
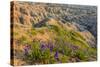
(29, 13)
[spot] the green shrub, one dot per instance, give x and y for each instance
(36, 54)
(92, 52)
(64, 59)
(23, 40)
(67, 51)
(81, 55)
(52, 61)
(33, 32)
(53, 27)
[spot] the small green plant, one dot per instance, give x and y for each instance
(81, 54)
(37, 54)
(53, 27)
(33, 32)
(66, 51)
(64, 59)
(23, 40)
(15, 33)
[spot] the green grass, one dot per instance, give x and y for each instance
(23, 40)
(70, 36)
(36, 54)
(33, 32)
(81, 55)
(64, 37)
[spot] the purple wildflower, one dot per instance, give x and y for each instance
(43, 47)
(29, 46)
(50, 46)
(56, 56)
(26, 49)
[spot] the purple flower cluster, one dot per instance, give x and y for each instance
(56, 56)
(26, 49)
(45, 46)
(50, 46)
(42, 46)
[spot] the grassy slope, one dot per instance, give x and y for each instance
(70, 44)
